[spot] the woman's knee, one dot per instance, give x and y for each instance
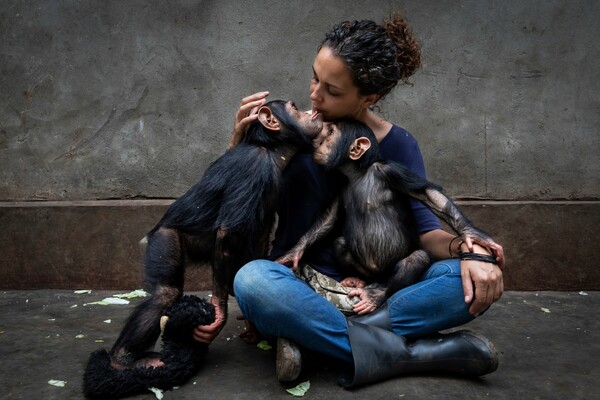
(440, 268)
(258, 276)
(248, 277)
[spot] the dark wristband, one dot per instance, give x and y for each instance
(478, 257)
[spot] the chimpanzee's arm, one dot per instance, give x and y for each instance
(321, 228)
(223, 270)
(403, 180)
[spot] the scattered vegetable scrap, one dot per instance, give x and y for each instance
(264, 345)
(57, 383)
(120, 298)
(299, 390)
(157, 392)
(132, 295)
(107, 301)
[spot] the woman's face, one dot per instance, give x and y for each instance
(332, 91)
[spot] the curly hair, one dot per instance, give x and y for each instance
(379, 56)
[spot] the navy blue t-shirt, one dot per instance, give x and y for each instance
(309, 190)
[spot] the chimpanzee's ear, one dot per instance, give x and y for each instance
(268, 120)
(359, 147)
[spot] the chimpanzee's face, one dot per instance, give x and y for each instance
(311, 123)
(326, 143)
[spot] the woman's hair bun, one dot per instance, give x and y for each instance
(408, 50)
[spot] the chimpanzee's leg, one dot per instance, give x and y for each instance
(408, 271)
(164, 275)
(345, 257)
(227, 245)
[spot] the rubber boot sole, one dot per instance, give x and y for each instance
(289, 360)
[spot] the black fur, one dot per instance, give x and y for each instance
(182, 356)
(379, 239)
(224, 220)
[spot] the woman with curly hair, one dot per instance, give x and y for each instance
(358, 64)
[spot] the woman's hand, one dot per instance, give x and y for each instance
(245, 115)
(483, 283)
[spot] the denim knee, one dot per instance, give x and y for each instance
(450, 266)
(252, 278)
(245, 278)
(433, 304)
(262, 283)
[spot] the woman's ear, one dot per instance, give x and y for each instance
(370, 100)
(268, 120)
(359, 147)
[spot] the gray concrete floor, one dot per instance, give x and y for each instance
(548, 344)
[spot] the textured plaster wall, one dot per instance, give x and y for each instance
(133, 99)
(130, 101)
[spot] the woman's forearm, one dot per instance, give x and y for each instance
(437, 241)
(441, 244)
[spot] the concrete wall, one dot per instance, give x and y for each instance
(132, 100)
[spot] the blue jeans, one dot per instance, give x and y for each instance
(279, 304)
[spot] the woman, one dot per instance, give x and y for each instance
(357, 64)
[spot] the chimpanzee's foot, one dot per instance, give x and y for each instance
(150, 363)
(353, 282)
(250, 335)
(118, 366)
(152, 360)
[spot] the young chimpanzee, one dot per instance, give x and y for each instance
(225, 219)
(379, 237)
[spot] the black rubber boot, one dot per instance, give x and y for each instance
(379, 354)
(379, 318)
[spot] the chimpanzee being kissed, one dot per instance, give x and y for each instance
(379, 239)
(225, 219)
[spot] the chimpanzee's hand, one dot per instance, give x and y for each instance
(245, 115)
(473, 235)
(371, 297)
(353, 282)
(293, 258)
(483, 283)
(207, 333)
